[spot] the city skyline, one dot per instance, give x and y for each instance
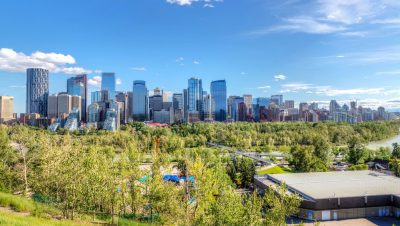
(342, 50)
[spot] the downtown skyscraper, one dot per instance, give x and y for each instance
(108, 83)
(77, 86)
(219, 100)
(140, 101)
(37, 90)
(195, 99)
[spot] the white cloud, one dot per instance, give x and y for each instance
(17, 86)
(95, 81)
(180, 61)
(279, 77)
(342, 17)
(264, 87)
(180, 2)
(395, 72)
(328, 90)
(12, 61)
(206, 3)
(118, 81)
(243, 73)
(308, 25)
(381, 55)
(196, 62)
(139, 69)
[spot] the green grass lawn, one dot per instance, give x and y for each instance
(19, 211)
(16, 219)
(273, 170)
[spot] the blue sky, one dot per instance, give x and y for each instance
(306, 50)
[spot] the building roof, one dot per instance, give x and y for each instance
(338, 184)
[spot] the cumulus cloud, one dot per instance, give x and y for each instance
(196, 62)
(95, 81)
(12, 61)
(279, 77)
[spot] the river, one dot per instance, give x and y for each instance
(384, 143)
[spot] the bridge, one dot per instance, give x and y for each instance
(251, 155)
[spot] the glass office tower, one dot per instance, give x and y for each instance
(108, 83)
(195, 95)
(77, 86)
(218, 95)
(37, 91)
(140, 101)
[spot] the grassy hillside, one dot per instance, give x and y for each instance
(20, 211)
(8, 217)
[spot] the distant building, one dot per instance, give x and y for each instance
(262, 101)
(277, 99)
(218, 100)
(242, 112)
(123, 98)
(6, 109)
(52, 106)
(37, 91)
(333, 107)
(248, 101)
(289, 104)
(195, 99)
(108, 83)
(140, 101)
(64, 104)
(78, 86)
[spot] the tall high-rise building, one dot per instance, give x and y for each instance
(218, 99)
(313, 106)
(333, 107)
(262, 101)
(248, 101)
(129, 106)
(108, 83)
(64, 106)
(123, 98)
(185, 105)
(76, 107)
(140, 102)
(289, 104)
(277, 99)
(235, 107)
(52, 106)
(195, 94)
(37, 90)
(6, 109)
(77, 86)
(177, 101)
(195, 99)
